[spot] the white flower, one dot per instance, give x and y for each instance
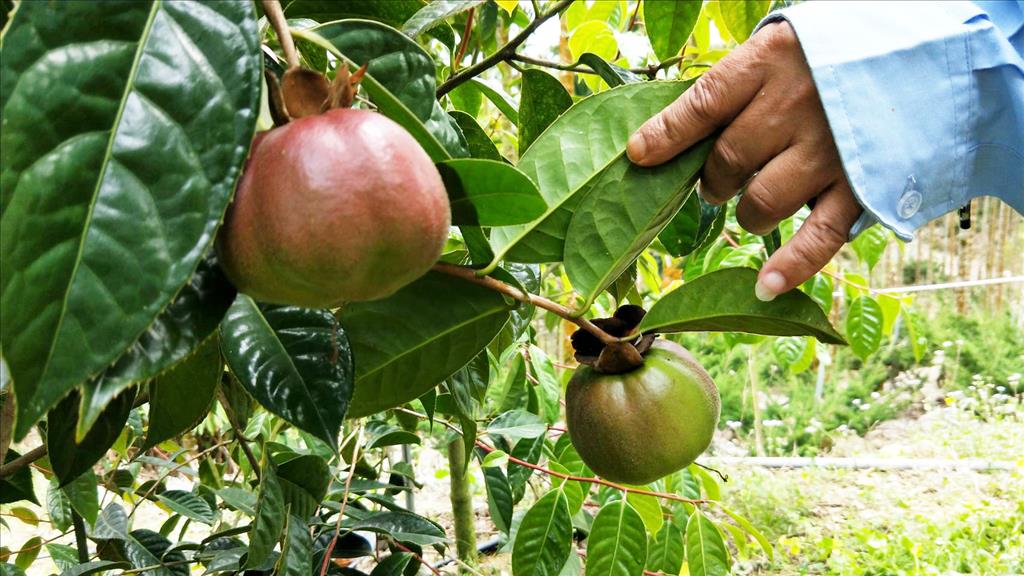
(1000, 388)
(947, 344)
(876, 395)
(856, 401)
(865, 407)
(734, 424)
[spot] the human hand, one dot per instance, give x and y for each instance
(774, 125)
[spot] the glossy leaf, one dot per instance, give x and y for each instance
(527, 450)
(82, 496)
(666, 550)
(574, 150)
(394, 13)
(516, 424)
(489, 193)
(190, 319)
(93, 236)
(95, 567)
(17, 486)
(434, 13)
(58, 507)
(612, 75)
(501, 101)
(617, 545)
(499, 498)
(478, 142)
(296, 362)
(239, 499)
(380, 434)
(29, 552)
(544, 540)
(542, 100)
(742, 16)
(270, 518)
(403, 526)
(112, 523)
(724, 301)
(413, 340)
(595, 36)
(864, 320)
(297, 552)
(649, 509)
(870, 244)
(819, 288)
(69, 457)
(692, 227)
(181, 398)
(399, 78)
(146, 549)
(891, 305)
(669, 25)
(304, 481)
(575, 493)
(187, 504)
(625, 209)
(706, 554)
(547, 386)
(750, 529)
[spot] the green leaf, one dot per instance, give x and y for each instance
(706, 553)
(29, 552)
(625, 209)
(548, 388)
(666, 550)
(83, 497)
(575, 149)
(649, 509)
(270, 518)
(870, 245)
(617, 545)
(187, 504)
(753, 531)
(146, 548)
(406, 527)
(467, 99)
(692, 227)
(542, 100)
(393, 565)
(489, 193)
(575, 493)
(380, 434)
(819, 288)
(11, 570)
(742, 16)
(434, 13)
(527, 450)
(17, 486)
(891, 305)
(724, 301)
(516, 424)
(63, 556)
(499, 498)
(239, 499)
(180, 398)
(304, 481)
(69, 457)
(176, 334)
(612, 75)
(95, 567)
(296, 362)
(864, 325)
(669, 25)
(297, 551)
(58, 507)
(544, 540)
(394, 13)
(93, 237)
(399, 79)
(112, 523)
(593, 36)
(411, 341)
(501, 101)
(477, 141)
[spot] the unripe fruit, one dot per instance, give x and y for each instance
(334, 208)
(643, 424)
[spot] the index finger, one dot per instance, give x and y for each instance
(713, 101)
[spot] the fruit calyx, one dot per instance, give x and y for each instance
(303, 92)
(617, 357)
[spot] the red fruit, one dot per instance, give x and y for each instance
(334, 208)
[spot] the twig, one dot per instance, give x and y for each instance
(275, 14)
(254, 462)
(172, 470)
(80, 540)
(419, 558)
(503, 54)
(154, 567)
(465, 38)
(22, 461)
(649, 71)
(344, 501)
(632, 21)
(517, 294)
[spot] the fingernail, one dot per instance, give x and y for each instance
(769, 286)
(636, 148)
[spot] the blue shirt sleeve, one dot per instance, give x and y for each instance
(925, 101)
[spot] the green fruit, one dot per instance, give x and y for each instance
(644, 424)
(339, 207)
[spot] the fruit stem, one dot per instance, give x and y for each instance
(275, 14)
(517, 294)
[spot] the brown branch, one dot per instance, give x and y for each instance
(22, 461)
(517, 294)
(465, 38)
(649, 71)
(503, 54)
(275, 14)
(344, 501)
(636, 12)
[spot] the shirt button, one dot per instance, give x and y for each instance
(910, 200)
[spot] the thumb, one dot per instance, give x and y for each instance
(813, 246)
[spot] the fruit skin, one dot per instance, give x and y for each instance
(344, 206)
(644, 424)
